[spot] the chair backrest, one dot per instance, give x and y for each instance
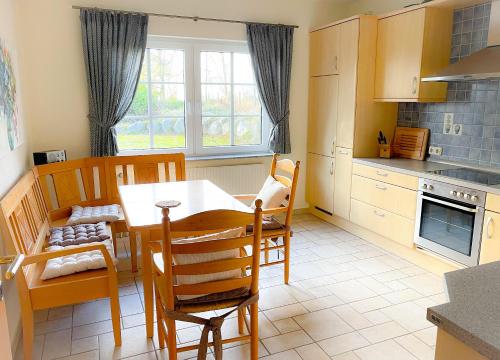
(211, 222)
(286, 172)
(73, 182)
(143, 169)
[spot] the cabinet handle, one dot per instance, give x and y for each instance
(489, 234)
(332, 150)
(414, 85)
(343, 152)
(336, 62)
(378, 213)
(331, 169)
(380, 187)
(380, 173)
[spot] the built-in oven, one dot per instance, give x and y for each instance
(449, 220)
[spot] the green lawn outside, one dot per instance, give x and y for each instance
(131, 142)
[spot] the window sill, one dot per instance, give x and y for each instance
(229, 156)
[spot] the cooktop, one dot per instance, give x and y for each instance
(472, 175)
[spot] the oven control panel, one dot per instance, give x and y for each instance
(454, 192)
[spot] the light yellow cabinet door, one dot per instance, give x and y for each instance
(320, 182)
(324, 51)
(490, 243)
(399, 53)
(343, 176)
(349, 38)
(323, 113)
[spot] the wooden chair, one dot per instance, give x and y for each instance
(286, 172)
(215, 294)
(24, 224)
(140, 169)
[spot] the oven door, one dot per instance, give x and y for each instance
(449, 228)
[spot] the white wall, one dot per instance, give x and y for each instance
(14, 163)
(52, 56)
(375, 6)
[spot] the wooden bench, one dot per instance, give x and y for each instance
(24, 221)
(95, 181)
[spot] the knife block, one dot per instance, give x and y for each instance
(386, 151)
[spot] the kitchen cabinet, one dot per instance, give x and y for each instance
(342, 176)
(324, 50)
(389, 197)
(320, 182)
(490, 242)
(387, 176)
(323, 114)
(410, 46)
(392, 226)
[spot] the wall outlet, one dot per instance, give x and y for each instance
(435, 150)
(456, 129)
(448, 123)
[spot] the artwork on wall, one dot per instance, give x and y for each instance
(10, 127)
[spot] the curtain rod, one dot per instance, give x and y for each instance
(194, 18)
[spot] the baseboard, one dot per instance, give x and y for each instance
(421, 258)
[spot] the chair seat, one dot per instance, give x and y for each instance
(221, 300)
(268, 224)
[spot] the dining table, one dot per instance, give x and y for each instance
(144, 217)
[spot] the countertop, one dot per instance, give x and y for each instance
(421, 169)
(472, 314)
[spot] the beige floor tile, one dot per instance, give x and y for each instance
(370, 304)
(402, 296)
(242, 352)
(322, 303)
(147, 356)
(286, 355)
(133, 320)
(60, 312)
(323, 324)
(343, 343)
(91, 312)
(425, 284)
(57, 344)
(275, 297)
(387, 350)
(266, 327)
(45, 327)
(130, 305)
(352, 290)
(346, 356)
(353, 318)
(285, 312)
(84, 345)
(286, 341)
(311, 352)
(416, 347)
(134, 342)
(383, 332)
(408, 315)
(286, 325)
(189, 334)
(92, 329)
(91, 355)
(428, 336)
(376, 317)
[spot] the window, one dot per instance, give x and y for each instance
(198, 97)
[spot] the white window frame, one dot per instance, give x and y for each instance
(192, 80)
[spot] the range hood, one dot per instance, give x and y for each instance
(483, 64)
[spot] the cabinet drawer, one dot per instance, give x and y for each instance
(382, 222)
(493, 202)
(389, 197)
(390, 177)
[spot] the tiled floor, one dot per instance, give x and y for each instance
(347, 300)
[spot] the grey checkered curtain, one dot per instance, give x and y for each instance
(271, 52)
(114, 44)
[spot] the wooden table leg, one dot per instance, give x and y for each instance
(147, 282)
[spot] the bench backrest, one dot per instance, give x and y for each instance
(24, 216)
(94, 181)
(142, 169)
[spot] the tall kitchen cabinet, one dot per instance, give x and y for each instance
(343, 118)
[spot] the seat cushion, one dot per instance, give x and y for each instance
(273, 193)
(71, 264)
(268, 224)
(94, 214)
(78, 234)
